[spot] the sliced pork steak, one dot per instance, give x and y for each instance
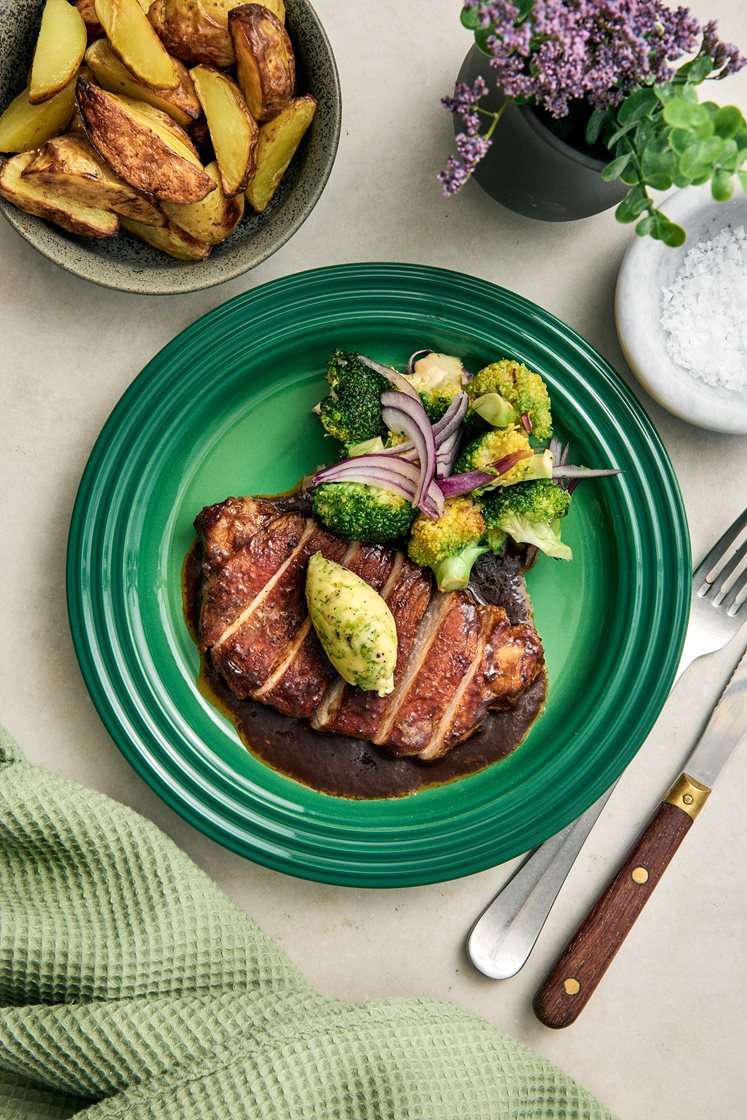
(457, 657)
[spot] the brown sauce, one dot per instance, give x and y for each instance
(347, 767)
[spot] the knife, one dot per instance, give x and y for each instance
(581, 966)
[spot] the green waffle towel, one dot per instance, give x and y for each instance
(131, 987)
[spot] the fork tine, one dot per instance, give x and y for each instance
(723, 580)
(719, 553)
(737, 597)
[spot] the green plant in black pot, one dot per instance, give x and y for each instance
(606, 78)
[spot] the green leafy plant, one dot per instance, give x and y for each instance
(663, 136)
(608, 67)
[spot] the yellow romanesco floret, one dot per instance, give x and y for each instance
(431, 541)
(493, 446)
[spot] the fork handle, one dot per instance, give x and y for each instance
(583, 963)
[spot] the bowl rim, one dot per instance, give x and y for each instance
(55, 245)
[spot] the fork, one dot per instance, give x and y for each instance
(504, 935)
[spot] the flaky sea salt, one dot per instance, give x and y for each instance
(704, 312)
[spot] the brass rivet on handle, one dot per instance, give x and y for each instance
(639, 875)
(572, 986)
(688, 798)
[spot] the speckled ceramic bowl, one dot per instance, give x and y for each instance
(128, 264)
(648, 267)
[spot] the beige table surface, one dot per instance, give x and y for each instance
(666, 1034)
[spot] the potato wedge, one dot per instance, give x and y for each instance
(194, 31)
(24, 126)
(75, 217)
(169, 239)
(71, 167)
(133, 39)
(212, 220)
(233, 130)
(265, 64)
(278, 143)
(112, 74)
(142, 148)
(59, 50)
(91, 20)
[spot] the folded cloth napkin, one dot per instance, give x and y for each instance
(130, 986)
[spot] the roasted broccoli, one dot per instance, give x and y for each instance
(529, 513)
(352, 411)
(498, 443)
(522, 389)
(449, 545)
(362, 513)
(438, 378)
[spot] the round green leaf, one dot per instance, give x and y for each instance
(615, 167)
(681, 114)
(468, 17)
(722, 187)
(672, 235)
(634, 203)
(727, 121)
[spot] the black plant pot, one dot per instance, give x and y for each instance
(531, 170)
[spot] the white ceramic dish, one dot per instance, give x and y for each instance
(649, 266)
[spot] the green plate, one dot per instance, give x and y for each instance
(225, 409)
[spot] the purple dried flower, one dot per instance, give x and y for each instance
(453, 177)
(726, 57)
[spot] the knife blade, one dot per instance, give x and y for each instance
(575, 976)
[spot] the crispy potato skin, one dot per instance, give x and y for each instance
(199, 134)
(212, 220)
(194, 30)
(265, 62)
(112, 74)
(86, 221)
(91, 20)
(233, 129)
(71, 167)
(278, 142)
(138, 153)
(169, 239)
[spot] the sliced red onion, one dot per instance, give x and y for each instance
(569, 471)
(452, 418)
(407, 415)
(390, 473)
(526, 420)
(392, 375)
(555, 449)
(413, 359)
(446, 454)
(465, 483)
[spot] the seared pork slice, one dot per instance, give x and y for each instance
(457, 657)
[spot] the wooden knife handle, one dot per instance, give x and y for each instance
(590, 951)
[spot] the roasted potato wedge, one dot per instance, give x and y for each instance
(71, 167)
(24, 126)
(212, 220)
(278, 142)
(112, 74)
(91, 20)
(265, 64)
(233, 130)
(133, 39)
(59, 50)
(145, 147)
(195, 30)
(75, 217)
(169, 239)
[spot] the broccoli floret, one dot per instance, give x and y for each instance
(529, 513)
(522, 388)
(438, 378)
(497, 444)
(352, 411)
(450, 544)
(362, 513)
